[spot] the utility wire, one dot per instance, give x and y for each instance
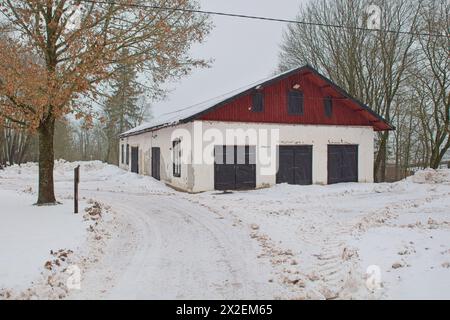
(243, 16)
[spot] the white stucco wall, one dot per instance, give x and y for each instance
(196, 176)
(163, 139)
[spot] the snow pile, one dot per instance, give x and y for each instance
(431, 176)
(15, 171)
(92, 174)
(64, 169)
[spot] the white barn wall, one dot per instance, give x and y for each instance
(317, 136)
(200, 177)
(163, 139)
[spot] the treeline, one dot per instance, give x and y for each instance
(403, 73)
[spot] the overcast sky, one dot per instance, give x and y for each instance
(243, 51)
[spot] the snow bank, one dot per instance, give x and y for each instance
(431, 176)
(92, 174)
(63, 169)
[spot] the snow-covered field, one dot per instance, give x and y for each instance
(141, 239)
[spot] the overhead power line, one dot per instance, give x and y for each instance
(244, 16)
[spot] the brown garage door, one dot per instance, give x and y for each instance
(342, 163)
(295, 165)
(234, 168)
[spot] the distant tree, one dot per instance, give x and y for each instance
(124, 109)
(15, 144)
(432, 79)
(64, 141)
(89, 141)
(57, 54)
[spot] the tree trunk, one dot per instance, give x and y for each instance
(46, 132)
(437, 156)
(380, 160)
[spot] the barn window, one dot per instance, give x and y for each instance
(176, 150)
(258, 102)
(122, 153)
(295, 102)
(328, 106)
(127, 155)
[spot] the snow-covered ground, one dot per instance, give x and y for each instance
(28, 233)
(141, 239)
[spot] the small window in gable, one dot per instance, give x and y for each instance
(258, 102)
(295, 102)
(328, 106)
(176, 150)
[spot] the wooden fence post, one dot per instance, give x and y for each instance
(75, 188)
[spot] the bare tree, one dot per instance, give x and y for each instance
(14, 144)
(432, 75)
(371, 65)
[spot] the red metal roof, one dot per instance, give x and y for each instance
(236, 107)
(315, 88)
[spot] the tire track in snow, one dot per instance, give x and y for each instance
(177, 250)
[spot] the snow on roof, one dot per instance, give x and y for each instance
(177, 116)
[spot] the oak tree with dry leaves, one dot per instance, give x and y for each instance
(57, 56)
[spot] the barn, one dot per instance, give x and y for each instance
(297, 127)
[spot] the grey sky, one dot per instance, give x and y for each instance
(243, 51)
